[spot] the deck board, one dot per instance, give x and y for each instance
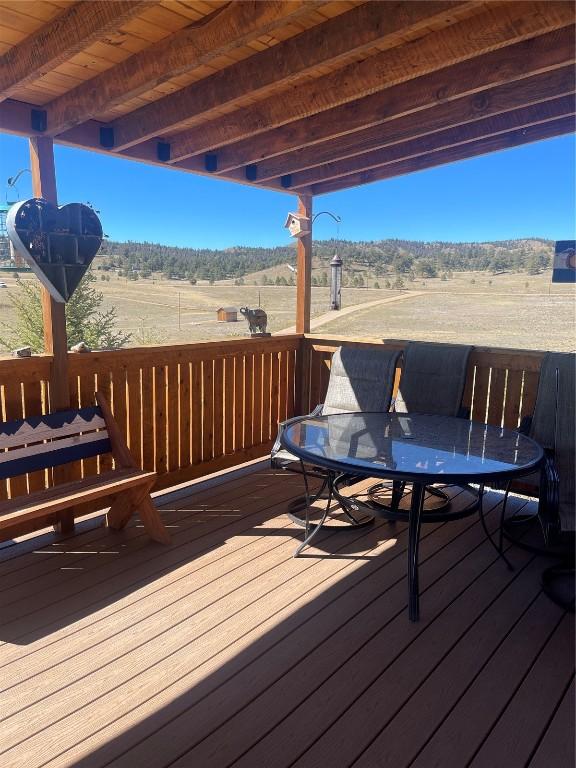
(223, 650)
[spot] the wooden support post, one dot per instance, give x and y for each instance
(54, 312)
(303, 300)
(304, 267)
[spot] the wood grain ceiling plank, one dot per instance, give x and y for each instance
(452, 137)
(65, 36)
(486, 103)
(34, 9)
(509, 140)
(197, 44)
(540, 54)
(356, 30)
(490, 31)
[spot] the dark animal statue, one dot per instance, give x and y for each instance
(257, 319)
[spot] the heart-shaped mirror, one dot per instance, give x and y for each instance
(57, 243)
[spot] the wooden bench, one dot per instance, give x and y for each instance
(54, 440)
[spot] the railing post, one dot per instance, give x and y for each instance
(302, 375)
(304, 269)
(54, 312)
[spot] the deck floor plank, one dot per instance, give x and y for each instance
(557, 746)
(223, 650)
(518, 730)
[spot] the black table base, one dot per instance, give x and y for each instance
(360, 514)
(411, 449)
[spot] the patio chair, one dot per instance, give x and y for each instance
(360, 380)
(432, 383)
(553, 426)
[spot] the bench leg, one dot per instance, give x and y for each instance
(121, 510)
(152, 521)
(65, 522)
(125, 504)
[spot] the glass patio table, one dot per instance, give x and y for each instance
(414, 448)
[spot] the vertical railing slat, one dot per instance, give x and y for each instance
(238, 402)
(33, 407)
(184, 413)
(481, 388)
(148, 423)
(229, 405)
(496, 401)
(218, 407)
(196, 397)
(274, 393)
(513, 399)
(208, 409)
(172, 420)
(266, 395)
(529, 391)
(257, 400)
(133, 386)
(290, 395)
(103, 385)
(160, 444)
(248, 398)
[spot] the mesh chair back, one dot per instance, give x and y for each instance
(553, 425)
(360, 380)
(433, 378)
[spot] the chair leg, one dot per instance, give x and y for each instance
(502, 518)
(487, 532)
(413, 542)
(310, 534)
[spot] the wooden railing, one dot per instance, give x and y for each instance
(185, 410)
(500, 389)
(190, 410)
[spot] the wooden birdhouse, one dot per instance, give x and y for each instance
(297, 224)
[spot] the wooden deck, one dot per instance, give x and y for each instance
(223, 650)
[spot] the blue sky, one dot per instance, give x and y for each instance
(527, 191)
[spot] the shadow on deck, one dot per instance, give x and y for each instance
(223, 650)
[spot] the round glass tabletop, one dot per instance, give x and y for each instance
(412, 446)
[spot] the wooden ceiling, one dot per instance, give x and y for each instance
(299, 96)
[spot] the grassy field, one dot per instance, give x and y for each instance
(508, 310)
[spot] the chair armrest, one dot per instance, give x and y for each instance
(283, 424)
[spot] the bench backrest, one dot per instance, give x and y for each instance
(42, 442)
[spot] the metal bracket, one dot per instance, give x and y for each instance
(38, 120)
(107, 136)
(163, 151)
(211, 163)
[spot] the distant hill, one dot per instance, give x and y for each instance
(426, 259)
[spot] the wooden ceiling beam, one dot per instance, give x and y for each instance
(434, 142)
(227, 28)
(69, 33)
(357, 30)
(490, 102)
(496, 28)
(540, 54)
(509, 140)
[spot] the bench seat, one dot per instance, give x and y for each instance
(72, 494)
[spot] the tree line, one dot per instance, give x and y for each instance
(400, 257)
